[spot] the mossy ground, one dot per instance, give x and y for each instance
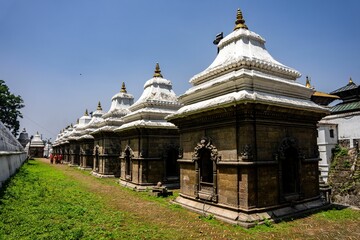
(46, 201)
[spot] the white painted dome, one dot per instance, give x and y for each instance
(243, 48)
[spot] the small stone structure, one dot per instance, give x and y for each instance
(73, 139)
(106, 142)
(24, 138)
(86, 141)
(36, 147)
(149, 143)
(160, 191)
(248, 133)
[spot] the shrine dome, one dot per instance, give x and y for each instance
(156, 102)
(36, 141)
(120, 103)
(243, 48)
(157, 91)
(244, 71)
(84, 119)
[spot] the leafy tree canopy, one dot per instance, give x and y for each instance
(10, 106)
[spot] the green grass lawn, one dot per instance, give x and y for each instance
(41, 203)
(45, 202)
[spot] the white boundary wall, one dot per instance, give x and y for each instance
(12, 154)
(9, 163)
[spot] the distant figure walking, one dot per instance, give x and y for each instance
(51, 158)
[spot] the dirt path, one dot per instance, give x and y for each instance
(185, 223)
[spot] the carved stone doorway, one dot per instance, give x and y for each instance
(205, 158)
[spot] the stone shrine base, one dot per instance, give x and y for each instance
(85, 168)
(73, 165)
(146, 187)
(254, 217)
(136, 187)
(98, 175)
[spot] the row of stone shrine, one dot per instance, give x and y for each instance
(132, 141)
(241, 141)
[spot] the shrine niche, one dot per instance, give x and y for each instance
(205, 157)
(259, 159)
(126, 160)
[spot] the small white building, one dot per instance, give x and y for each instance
(341, 126)
(327, 140)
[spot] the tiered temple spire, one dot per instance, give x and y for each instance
(240, 22)
(308, 85)
(123, 88)
(99, 106)
(157, 71)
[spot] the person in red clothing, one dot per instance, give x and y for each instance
(56, 158)
(60, 158)
(51, 158)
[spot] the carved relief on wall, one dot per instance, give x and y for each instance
(181, 153)
(205, 143)
(246, 153)
(286, 143)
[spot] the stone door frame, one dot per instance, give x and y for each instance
(286, 144)
(205, 191)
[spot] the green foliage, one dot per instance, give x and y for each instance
(347, 164)
(268, 222)
(339, 151)
(9, 108)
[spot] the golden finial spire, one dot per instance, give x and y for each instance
(240, 22)
(71, 125)
(157, 71)
(350, 81)
(86, 113)
(99, 106)
(308, 82)
(123, 88)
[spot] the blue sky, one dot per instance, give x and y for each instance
(63, 57)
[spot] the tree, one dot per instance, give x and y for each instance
(10, 106)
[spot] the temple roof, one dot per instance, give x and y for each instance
(36, 141)
(350, 96)
(156, 102)
(242, 72)
(157, 93)
(346, 107)
(243, 48)
(321, 98)
(84, 119)
(120, 103)
(350, 86)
